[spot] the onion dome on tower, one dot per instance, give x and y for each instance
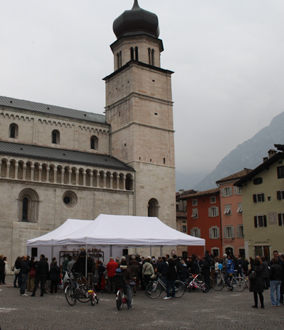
(136, 21)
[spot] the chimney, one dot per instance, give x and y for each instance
(271, 153)
(265, 159)
(181, 191)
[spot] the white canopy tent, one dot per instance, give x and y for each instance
(114, 230)
(128, 230)
(49, 239)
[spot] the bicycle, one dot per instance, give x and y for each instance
(155, 288)
(238, 283)
(78, 290)
(121, 299)
(196, 282)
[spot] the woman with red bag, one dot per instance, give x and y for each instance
(32, 274)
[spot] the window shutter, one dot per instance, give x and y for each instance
(235, 190)
(279, 195)
(265, 221)
(210, 233)
(238, 232)
(231, 191)
(254, 198)
(255, 221)
(210, 212)
(223, 192)
(199, 233)
(191, 232)
(218, 232)
(225, 233)
(233, 232)
(262, 196)
(217, 211)
(279, 219)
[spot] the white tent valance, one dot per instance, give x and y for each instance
(117, 230)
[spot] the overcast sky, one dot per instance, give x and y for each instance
(227, 56)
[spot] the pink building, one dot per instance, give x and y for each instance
(231, 214)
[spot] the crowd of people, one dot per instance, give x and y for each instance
(263, 274)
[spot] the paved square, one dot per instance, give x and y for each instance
(195, 310)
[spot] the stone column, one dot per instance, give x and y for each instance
(55, 175)
(111, 181)
(70, 175)
(47, 173)
(91, 179)
(24, 171)
(16, 170)
(104, 180)
(84, 178)
(8, 169)
(124, 182)
(39, 172)
(77, 177)
(117, 182)
(32, 172)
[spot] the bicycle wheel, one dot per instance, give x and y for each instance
(204, 288)
(119, 300)
(238, 284)
(82, 294)
(179, 289)
(69, 295)
(219, 283)
(153, 290)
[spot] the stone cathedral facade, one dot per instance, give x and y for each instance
(58, 163)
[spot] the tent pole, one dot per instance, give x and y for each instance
(151, 251)
(110, 250)
(86, 262)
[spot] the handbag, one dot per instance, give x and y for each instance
(252, 276)
(17, 271)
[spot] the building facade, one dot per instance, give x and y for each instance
(231, 214)
(204, 221)
(263, 206)
(59, 163)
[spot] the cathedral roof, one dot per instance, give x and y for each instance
(51, 110)
(62, 155)
(135, 22)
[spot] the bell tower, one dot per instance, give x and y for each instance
(139, 108)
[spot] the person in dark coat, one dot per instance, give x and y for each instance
(18, 276)
(171, 276)
(257, 285)
(24, 273)
(265, 273)
(54, 276)
(80, 264)
(275, 275)
(41, 275)
(205, 271)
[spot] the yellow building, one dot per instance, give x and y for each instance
(263, 206)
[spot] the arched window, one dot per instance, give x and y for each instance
(129, 182)
(134, 53)
(13, 131)
(25, 209)
(153, 208)
(55, 137)
(28, 204)
(151, 56)
(94, 143)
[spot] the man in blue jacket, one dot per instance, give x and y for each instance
(229, 272)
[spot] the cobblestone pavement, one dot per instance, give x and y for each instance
(195, 310)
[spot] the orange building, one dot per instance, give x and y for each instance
(231, 214)
(203, 220)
